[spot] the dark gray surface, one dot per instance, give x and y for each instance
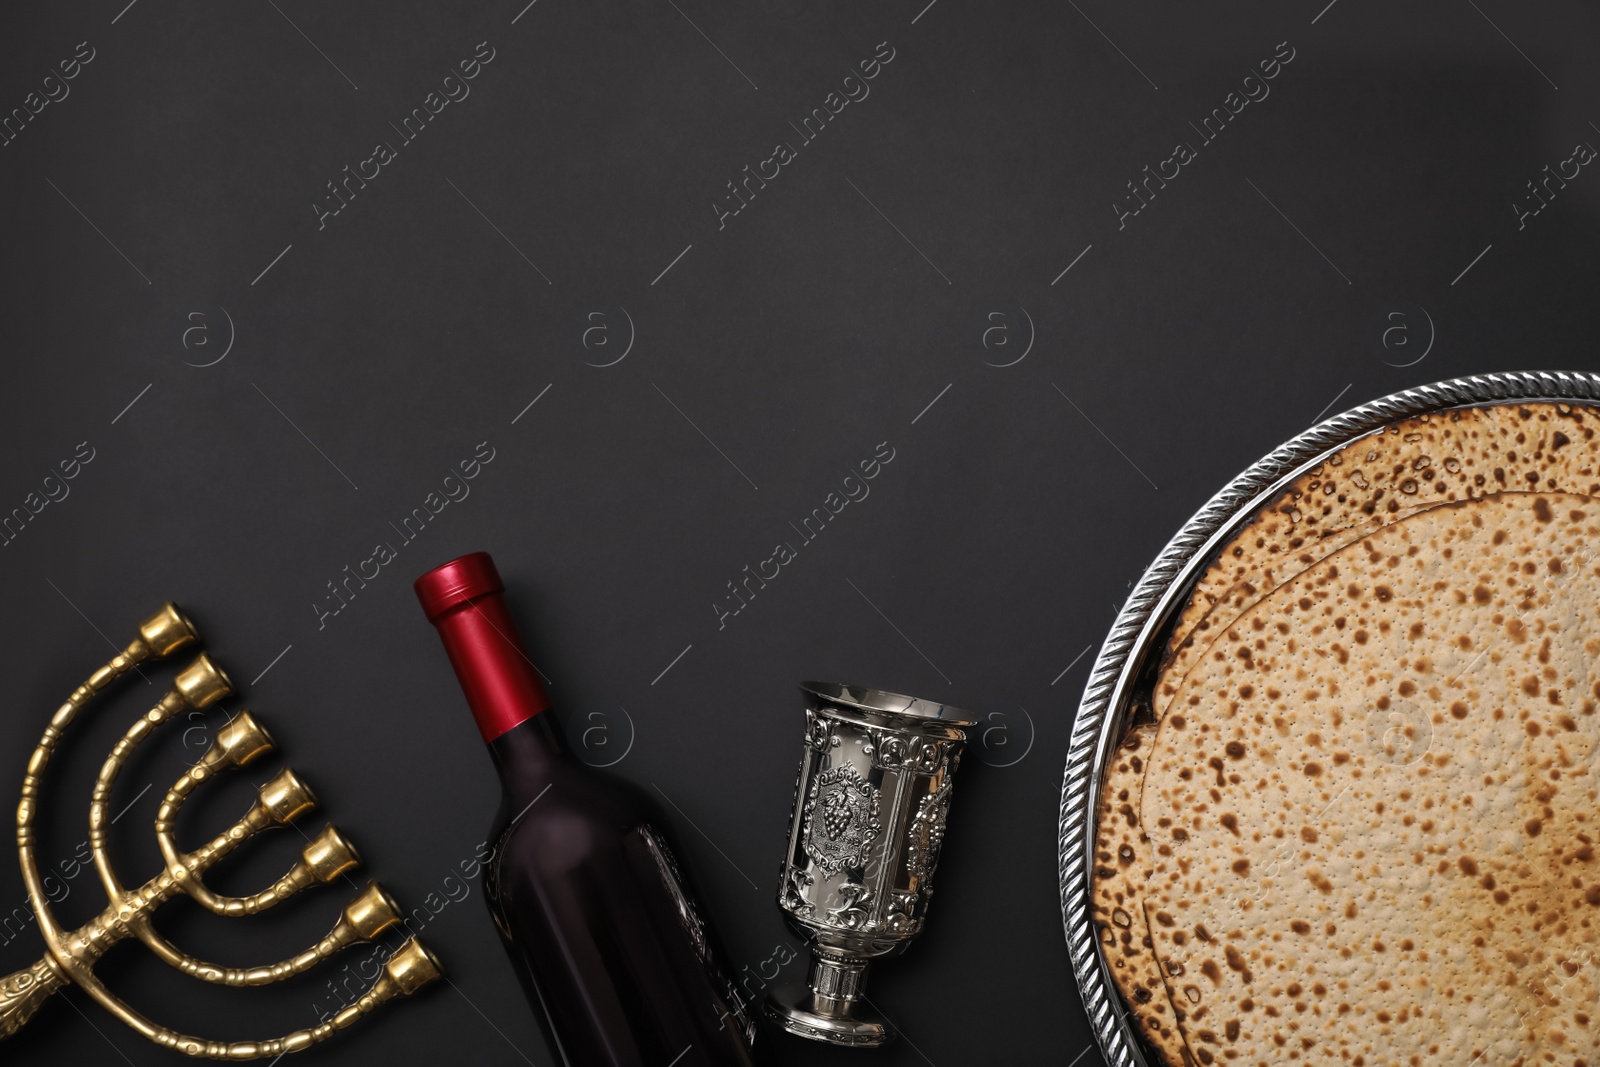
(852, 293)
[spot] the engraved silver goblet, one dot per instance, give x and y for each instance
(864, 839)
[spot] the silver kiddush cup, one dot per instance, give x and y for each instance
(869, 818)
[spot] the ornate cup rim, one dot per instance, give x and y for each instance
(883, 702)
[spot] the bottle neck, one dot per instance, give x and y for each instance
(526, 755)
(501, 685)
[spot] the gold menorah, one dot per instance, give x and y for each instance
(70, 955)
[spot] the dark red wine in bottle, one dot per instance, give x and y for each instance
(611, 948)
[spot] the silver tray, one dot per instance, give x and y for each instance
(1141, 628)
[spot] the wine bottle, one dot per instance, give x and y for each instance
(603, 932)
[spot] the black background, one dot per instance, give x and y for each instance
(850, 303)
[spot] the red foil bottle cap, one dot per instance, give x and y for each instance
(456, 582)
(465, 600)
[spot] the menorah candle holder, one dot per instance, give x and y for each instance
(70, 955)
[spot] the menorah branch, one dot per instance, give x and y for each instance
(196, 688)
(364, 919)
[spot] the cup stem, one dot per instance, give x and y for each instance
(837, 982)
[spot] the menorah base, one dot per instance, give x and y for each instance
(805, 1013)
(22, 994)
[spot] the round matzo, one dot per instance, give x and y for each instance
(1121, 867)
(1372, 806)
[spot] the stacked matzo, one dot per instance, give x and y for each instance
(1361, 830)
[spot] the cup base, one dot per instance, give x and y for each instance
(797, 1011)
